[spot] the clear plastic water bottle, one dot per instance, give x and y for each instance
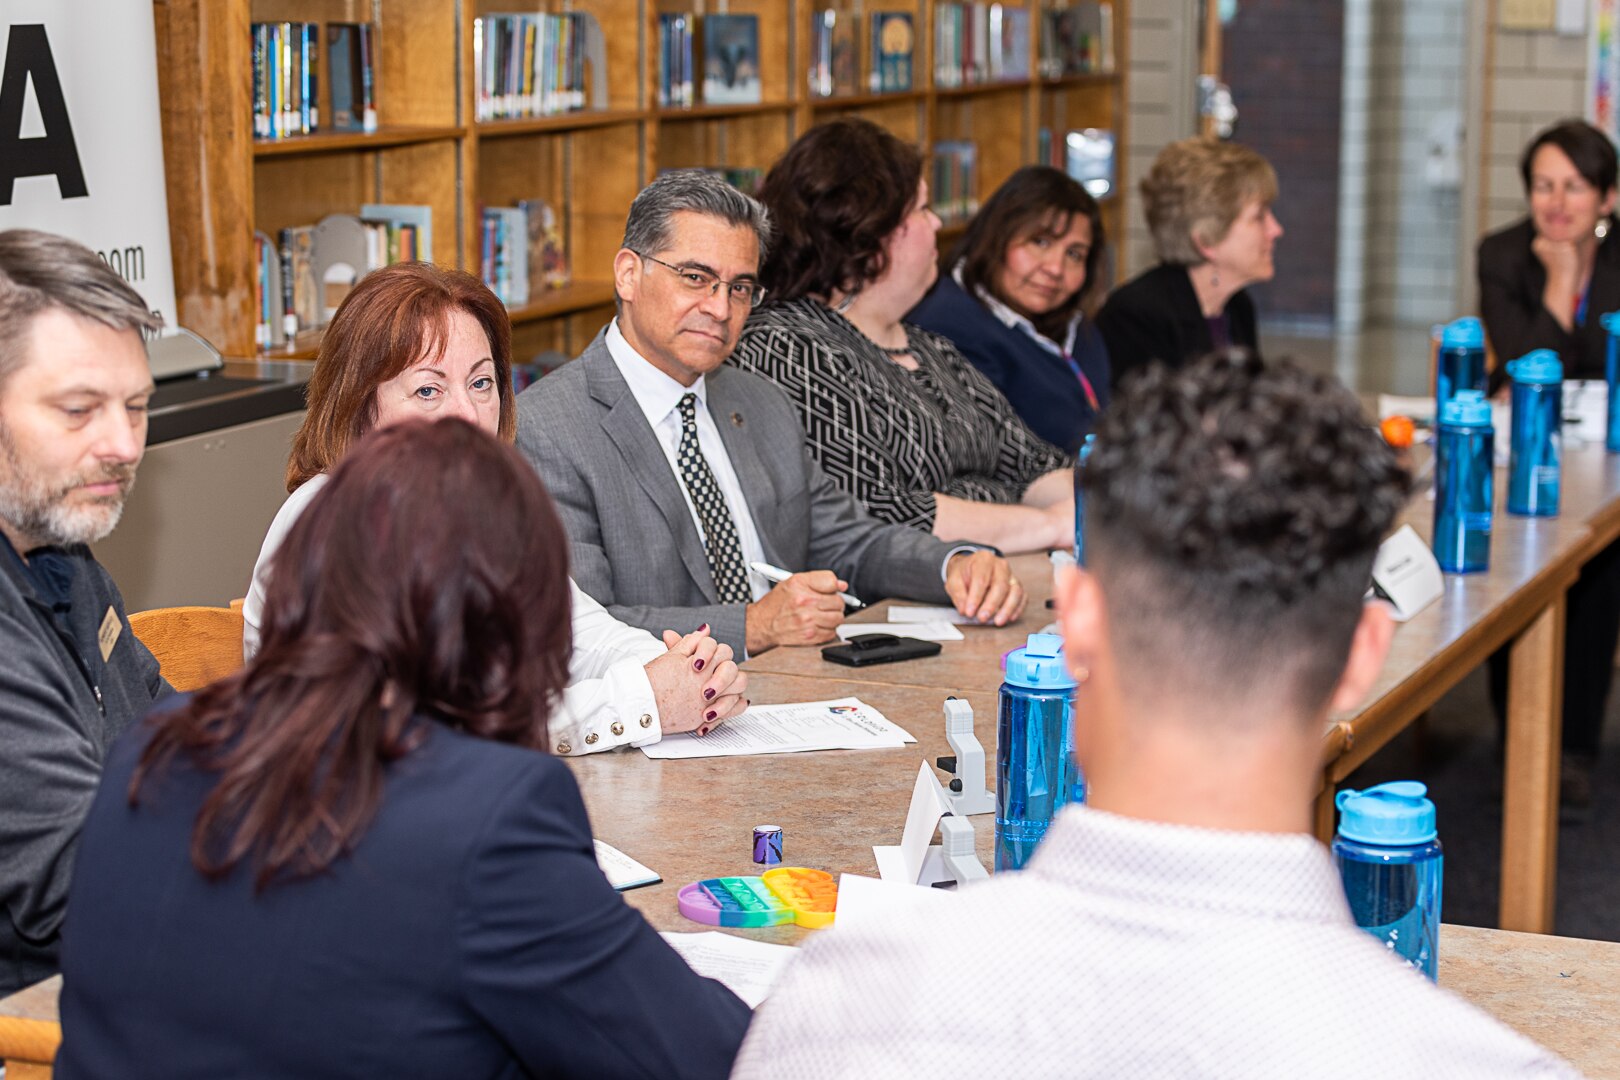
(1536, 441)
(1460, 360)
(1080, 504)
(1464, 489)
(1036, 774)
(1611, 371)
(1389, 858)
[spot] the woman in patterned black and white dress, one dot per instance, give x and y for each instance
(894, 414)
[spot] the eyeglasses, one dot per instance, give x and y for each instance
(695, 280)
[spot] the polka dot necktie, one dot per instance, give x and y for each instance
(719, 531)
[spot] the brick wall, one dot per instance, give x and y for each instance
(1538, 78)
(1282, 61)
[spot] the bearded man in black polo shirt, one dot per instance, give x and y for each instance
(74, 385)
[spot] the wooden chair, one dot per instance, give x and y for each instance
(193, 645)
(30, 1031)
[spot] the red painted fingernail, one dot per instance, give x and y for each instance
(709, 715)
(709, 693)
(703, 628)
(698, 664)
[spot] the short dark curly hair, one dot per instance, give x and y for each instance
(1233, 509)
(837, 194)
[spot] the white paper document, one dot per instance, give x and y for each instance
(901, 613)
(842, 724)
(621, 870)
(861, 899)
(924, 631)
(748, 968)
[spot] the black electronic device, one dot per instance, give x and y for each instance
(864, 649)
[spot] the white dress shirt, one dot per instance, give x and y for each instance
(659, 397)
(608, 701)
(1127, 949)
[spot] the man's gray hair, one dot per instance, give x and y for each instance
(646, 230)
(40, 271)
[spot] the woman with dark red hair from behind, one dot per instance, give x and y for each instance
(354, 857)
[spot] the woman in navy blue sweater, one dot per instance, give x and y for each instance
(1015, 299)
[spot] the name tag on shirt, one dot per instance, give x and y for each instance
(107, 636)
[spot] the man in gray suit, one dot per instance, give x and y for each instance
(647, 438)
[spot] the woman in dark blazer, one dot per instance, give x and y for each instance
(1013, 302)
(1543, 284)
(1544, 281)
(1208, 206)
(354, 857)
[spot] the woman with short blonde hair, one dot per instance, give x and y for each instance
(1208, 207)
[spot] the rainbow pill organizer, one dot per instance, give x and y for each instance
(785, 894)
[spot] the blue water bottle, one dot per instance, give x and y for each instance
(1080, 504)
(1611, 326)
(1460, 361)
(1389, 857)
(1464, 484)
(1036, 774)
(1537, 440)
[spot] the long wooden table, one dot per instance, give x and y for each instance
(1518, 603)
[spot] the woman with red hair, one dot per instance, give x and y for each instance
(414, 340)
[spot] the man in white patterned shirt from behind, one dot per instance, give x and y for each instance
(1184, 923)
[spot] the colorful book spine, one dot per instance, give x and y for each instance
(531, 65)
(286, 79)
(675, 87)
(893, 42)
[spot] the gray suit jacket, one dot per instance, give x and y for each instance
(633, 544)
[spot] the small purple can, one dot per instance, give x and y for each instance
(768, 844)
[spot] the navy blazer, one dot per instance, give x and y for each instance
(1511, 281)
(468, 934)
(1039, 383)
(1155, 317)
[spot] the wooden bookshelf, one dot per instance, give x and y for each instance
(224, 184)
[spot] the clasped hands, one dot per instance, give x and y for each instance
(696, 684)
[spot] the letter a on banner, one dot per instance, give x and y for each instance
(81, 137)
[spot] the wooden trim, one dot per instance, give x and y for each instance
(333, 142)
(562, 122)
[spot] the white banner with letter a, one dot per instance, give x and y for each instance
(81, 138)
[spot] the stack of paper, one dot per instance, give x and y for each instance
(844, 724)
(923, 631)
(902, 613)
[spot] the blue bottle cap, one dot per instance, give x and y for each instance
(1537, 368)
(1039, 665)
(1467, 408)
(1464, 333)
(1610, 322)
(1391, 814)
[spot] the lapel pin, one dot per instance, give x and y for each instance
(736, 419)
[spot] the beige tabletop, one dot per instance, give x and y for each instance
(1562, 992)
(694, 819)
